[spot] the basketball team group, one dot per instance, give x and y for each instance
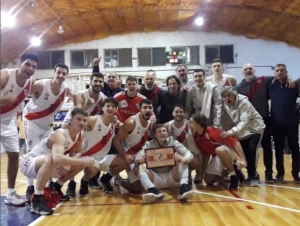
(211, 124)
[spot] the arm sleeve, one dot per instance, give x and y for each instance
(96, 69)
(183, 151)
(189, 103)
(141, 152)
(217, 107)
(245, 112)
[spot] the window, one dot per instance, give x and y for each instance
(118, 57)
(190, 54)
(223, 52)
(83, 58)
(152, 57)
(48, 59)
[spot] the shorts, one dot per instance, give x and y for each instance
(104, 163)
(27, 166)
(9, 136)
(215, 166)
(164, 180)
(35, 133)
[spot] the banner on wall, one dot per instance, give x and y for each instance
(60, 116)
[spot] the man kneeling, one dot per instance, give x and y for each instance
(168, 176)
(49, 159)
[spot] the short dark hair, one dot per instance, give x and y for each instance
(281, 65)
(76, 111)
(217, 60)
(175, 77)
(200, 119)
(200, 70)
(61, 65)
(179, 106)
(110, 100)
(157, 126)
(145, 101)
(30, 56)
(181, 65)
(131, 78)
(96, 74)
(151, 70)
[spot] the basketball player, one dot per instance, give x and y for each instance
(130, 139)
(168, 176)
(222, 151)
(97, 142)
(218, 78)
(179, 129)
(90, 100)
(129, 100)
(15, 86)
(49, 159)
(48, 96)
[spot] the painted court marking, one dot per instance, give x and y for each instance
(250, 201)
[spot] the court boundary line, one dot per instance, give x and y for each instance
(250, 201)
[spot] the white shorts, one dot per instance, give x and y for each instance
(34, 133)
(9, 136)
(164, 180)
(104, 163)
(27, 167)
(215, 166)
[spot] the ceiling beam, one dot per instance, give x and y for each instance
(101, 16)
(140, 15)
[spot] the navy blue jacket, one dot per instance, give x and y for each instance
(283, 104)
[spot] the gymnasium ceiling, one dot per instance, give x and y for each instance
(85, 20)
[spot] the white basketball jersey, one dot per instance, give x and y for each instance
(223, 82)
(97, 142)
(138, 137)
(42, 149)
(95, 109)
(41, 110)
(181, 133)
(8, 112)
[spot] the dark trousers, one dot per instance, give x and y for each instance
(250, 147)
(291, 133)
(267, 146)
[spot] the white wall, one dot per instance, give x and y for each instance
(260, 53)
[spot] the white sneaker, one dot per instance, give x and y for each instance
(14, 199)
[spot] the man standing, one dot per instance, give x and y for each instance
(150, 90)
(48, 96)
(204, 97)
(168, 98)
(130, 139)
(285, 120)
(224, 157)
(256, 89)
(49, 159)
(109, 87)
(182, 73)
(218, 78)
(129, 100)
(15, 86)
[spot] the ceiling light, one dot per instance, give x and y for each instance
(60, 30)
(33, 3)
(35, 41)
(7, 20)
(199, 21)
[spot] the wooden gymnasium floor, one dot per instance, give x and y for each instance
(277, 204)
